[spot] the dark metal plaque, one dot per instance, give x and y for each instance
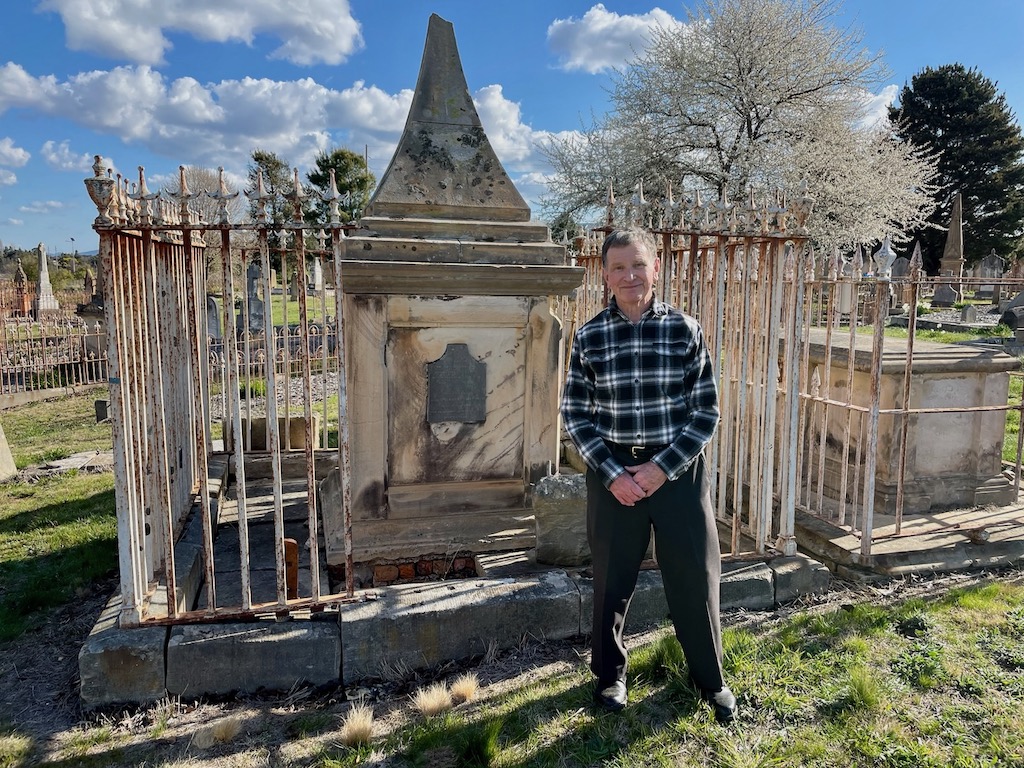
(457, 387)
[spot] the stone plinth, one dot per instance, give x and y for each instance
(954, 458)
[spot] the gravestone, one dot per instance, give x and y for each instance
(458, 356)
(45, 302)
(7, 467)
(255, 321)
(317, 283)
(989, 270)
(903, 292)
(969, 314)
(212, 319)
(945, 294)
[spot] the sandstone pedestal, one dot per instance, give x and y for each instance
(453, 353)
(954, 458)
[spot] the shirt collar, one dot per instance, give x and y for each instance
(657, 308)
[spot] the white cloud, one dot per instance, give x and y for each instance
(41, 206)
(14, 222)
(876, 106)
(310, 32)
(61, 158)
(12, 155)
(221, 123)
(602, 39)
(7, 178)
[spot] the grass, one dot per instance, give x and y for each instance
(932, 683)
(57, 536)
(44, 431)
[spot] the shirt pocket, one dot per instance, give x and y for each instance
(607, 366)
(673, 361)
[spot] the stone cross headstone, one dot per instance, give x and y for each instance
(45, 302)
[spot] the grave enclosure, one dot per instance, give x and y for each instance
(410, 416)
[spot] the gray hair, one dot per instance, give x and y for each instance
(619, 238)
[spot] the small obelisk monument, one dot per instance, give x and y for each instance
(45, 302)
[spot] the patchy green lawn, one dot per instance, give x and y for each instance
(44, 431)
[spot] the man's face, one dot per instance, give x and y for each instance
(630, 273)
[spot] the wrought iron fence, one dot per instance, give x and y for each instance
(55, 353)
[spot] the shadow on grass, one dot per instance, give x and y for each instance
(59, 511)
(31, 581)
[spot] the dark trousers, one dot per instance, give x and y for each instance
(686, 540)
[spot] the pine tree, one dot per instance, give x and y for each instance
(960, 115)
(353, 179)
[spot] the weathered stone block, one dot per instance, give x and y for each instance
(560, 512)
(121, 666)
(296, 431)
(7, 467)
(798, 575)
(420, 625)
(747, 585)
(223, 658)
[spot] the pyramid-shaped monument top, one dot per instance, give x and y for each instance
(444, 166)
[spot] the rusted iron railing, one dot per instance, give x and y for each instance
(55, 353)
(806, 426)
(201, 368)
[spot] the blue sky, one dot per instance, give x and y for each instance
(204, 82)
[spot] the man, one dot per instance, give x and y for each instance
(640, 403)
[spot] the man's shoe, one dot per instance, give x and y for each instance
(610, 696)
(723, 703)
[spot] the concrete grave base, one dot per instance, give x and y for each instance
(225, 658)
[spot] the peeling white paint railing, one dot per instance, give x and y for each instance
(766, 302)
(177, 389)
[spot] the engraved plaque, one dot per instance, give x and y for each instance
(457, 387)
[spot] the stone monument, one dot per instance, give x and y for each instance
(45, 302)
(22, 303)
(455, 356)
(951, 266)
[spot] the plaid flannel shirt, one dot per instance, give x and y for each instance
(647, 384)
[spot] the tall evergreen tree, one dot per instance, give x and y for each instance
(278, 182)
(353, 178)
(960, 115)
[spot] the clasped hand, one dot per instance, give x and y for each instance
(637, 482)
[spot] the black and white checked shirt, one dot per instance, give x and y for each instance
(647, 384)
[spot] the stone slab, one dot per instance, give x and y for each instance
(121, 666)
(420, 625)
(747, 585)
(7, 467)
(797, 576)
(205, 659)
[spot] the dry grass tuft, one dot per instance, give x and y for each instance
(357, 726)
(220, 732)
(465, 687)
(433, 700)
